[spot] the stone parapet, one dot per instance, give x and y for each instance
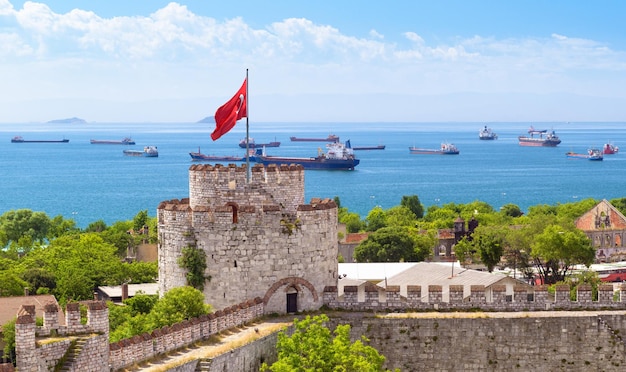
(524, 298)
(160, 341)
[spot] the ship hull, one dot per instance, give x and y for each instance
(537, 142)
(201, 157)
(111, 142)
(259, 145)
(418, 151)
(330, 138)
(40, 141)
(311, 163)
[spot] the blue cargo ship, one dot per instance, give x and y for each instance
(338, 156)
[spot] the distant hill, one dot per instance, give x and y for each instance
(208, 119)
(67, 121)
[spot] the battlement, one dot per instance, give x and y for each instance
(212, 185)
(33, 350)
(373, 298)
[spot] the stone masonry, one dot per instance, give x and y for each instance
(259, 237)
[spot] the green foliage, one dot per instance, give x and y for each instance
(118, 235)
(376, 219)
(400, 216)
(140, 220)
(140, 272)
(8, 338)
(141, 303)
(489, 243)
(39, 278)
(97, 226)
(177, 305)
(78, 263)
(413, 204)
(620, 204)
(11, 284)
(511, 210)
(353, 222)
(557, 248)
(194, 261)
(388, 244)
(312, 347)
(24, 222)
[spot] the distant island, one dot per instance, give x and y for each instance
(67, 121)
(208, 119)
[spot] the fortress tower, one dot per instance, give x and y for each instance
(259, 237)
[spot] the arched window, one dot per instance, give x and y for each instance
(235, 209)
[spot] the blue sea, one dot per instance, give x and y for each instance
(96, 182)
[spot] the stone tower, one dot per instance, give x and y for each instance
(259, 237)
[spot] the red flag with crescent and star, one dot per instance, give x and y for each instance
(227, 115)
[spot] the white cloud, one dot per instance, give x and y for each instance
(176, 54)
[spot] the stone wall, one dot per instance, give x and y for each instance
(260, 239)
(144, 347)
(562, 342)
(46, 347)
(373, 298)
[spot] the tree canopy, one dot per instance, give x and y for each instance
(312, 347)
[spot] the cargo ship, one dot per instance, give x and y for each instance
(610, 149)
(147, 152)
(123, 141)
(379, 147)
(252, 144)
(487, 134)
(445, 149)
(539, 138)
(592, 154)
(198, 156)
(337, 157)
(330, 138)
(20, 139)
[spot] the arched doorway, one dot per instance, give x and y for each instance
(292, 300)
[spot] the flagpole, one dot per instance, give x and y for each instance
(248, 170)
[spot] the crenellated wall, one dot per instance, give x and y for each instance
(259, 237)
(48, 347)
(559, 341)
(160, 341)
(374, 298)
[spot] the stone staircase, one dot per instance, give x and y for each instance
(204, 365)
(72, 354)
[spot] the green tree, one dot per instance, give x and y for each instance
(388, 244)
(489, 242)
(140, 272)
(353, 222)
(511, 210)
(176, 305)
(24, 222)
(557, 249)
(312, 347)
(11, 284)
(60, 226)
(376, 219)
(400, 216)
(39, 280)
(140, 220)
(413, 203)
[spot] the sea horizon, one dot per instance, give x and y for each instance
(88, 182)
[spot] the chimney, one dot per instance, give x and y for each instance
(124, 291)
(26, 291)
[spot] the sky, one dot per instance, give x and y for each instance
(314, 61)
